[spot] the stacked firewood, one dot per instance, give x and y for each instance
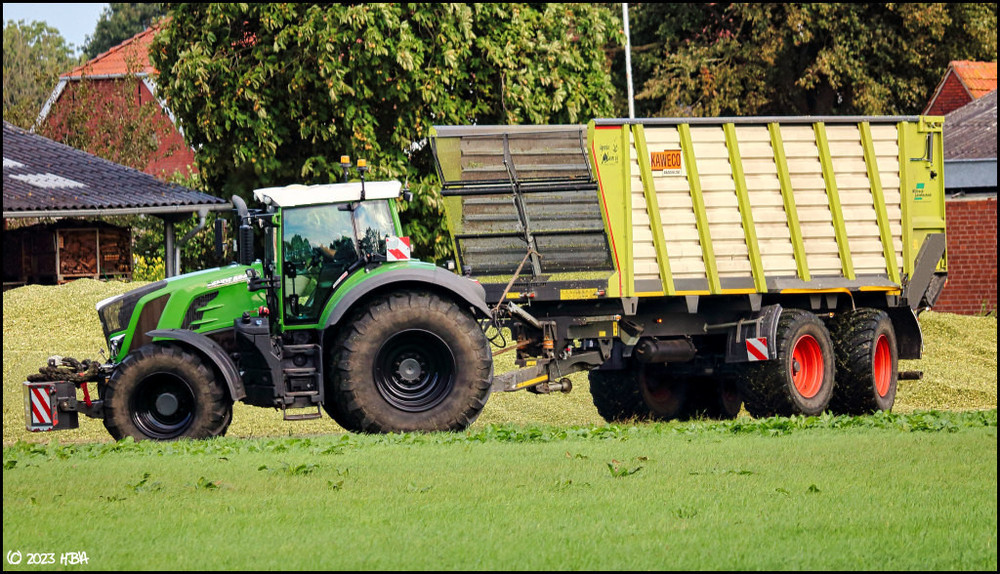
(78, 253)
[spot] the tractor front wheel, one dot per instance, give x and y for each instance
(162, 392)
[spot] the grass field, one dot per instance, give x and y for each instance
(894, 492)
(538, 482)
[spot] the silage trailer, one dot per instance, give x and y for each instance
(691, 266)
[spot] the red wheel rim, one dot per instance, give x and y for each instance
(882, 366)
(807, 366)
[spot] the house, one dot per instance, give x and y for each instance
(964, 82)
(105, 77)
(970, 177)
(44, 179)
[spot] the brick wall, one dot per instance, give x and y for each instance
(972, 256)
(952, 96)
(106, 98)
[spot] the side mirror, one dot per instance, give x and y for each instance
(407, 196)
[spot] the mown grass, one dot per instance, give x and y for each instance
(959, 365)
(894, 492)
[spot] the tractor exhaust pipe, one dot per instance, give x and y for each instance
(245, 233)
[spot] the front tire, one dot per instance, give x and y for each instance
(162, 392)
(411, 361)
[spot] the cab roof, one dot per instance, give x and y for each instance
(297, 194)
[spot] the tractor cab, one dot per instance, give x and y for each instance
(321, 234)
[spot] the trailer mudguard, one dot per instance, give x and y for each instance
(909, 338)
(420, 275)
(210, 350)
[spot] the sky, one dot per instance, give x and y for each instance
(74, 21)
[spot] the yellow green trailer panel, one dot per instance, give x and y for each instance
(703, 206)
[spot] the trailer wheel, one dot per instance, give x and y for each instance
(712, 398)
(411, 361)
(643, 392)
(867, 362)
(801, 380)
(663, 394)
(616, 395)
(162, 392)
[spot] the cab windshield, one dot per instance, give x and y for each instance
(321, 244)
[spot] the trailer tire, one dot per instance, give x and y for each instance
(800, 381)
(616, 395)
(409, 361)
(867, 362)
(642, 393)
(163, 392)
(713, 399)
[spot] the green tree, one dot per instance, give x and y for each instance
(34, 54)
(272, 94)
(120, 21)
(807, 58)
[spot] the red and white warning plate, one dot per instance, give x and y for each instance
(39, 403)
(397, 248)
(757, 349)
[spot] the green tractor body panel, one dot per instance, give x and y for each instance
(416, 274)
(204, 302)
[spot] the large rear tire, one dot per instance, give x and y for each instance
(867, 362)
(801, 380)
(641, 393)
(162, 392)
(411, 361)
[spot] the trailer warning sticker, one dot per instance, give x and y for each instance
(667, 162)
(757, 349)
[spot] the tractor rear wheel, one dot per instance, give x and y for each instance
(411, 361)
(867, 362)
(162, 392)
(800, 381)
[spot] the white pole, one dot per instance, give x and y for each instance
(628, 63)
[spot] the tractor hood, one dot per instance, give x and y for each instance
(204, 301)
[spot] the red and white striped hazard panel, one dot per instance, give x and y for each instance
(397, 248)
(40, 404)
(757, 349)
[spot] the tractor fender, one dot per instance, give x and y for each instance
(427, 277)
(210, 350)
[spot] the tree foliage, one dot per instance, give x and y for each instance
(34, 54)
(120, 21)
(272, 94)
(805, 58)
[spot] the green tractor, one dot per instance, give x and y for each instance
(334, 316)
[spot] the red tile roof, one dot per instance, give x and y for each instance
(963, 82)
(980, 78)
(131, 56)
